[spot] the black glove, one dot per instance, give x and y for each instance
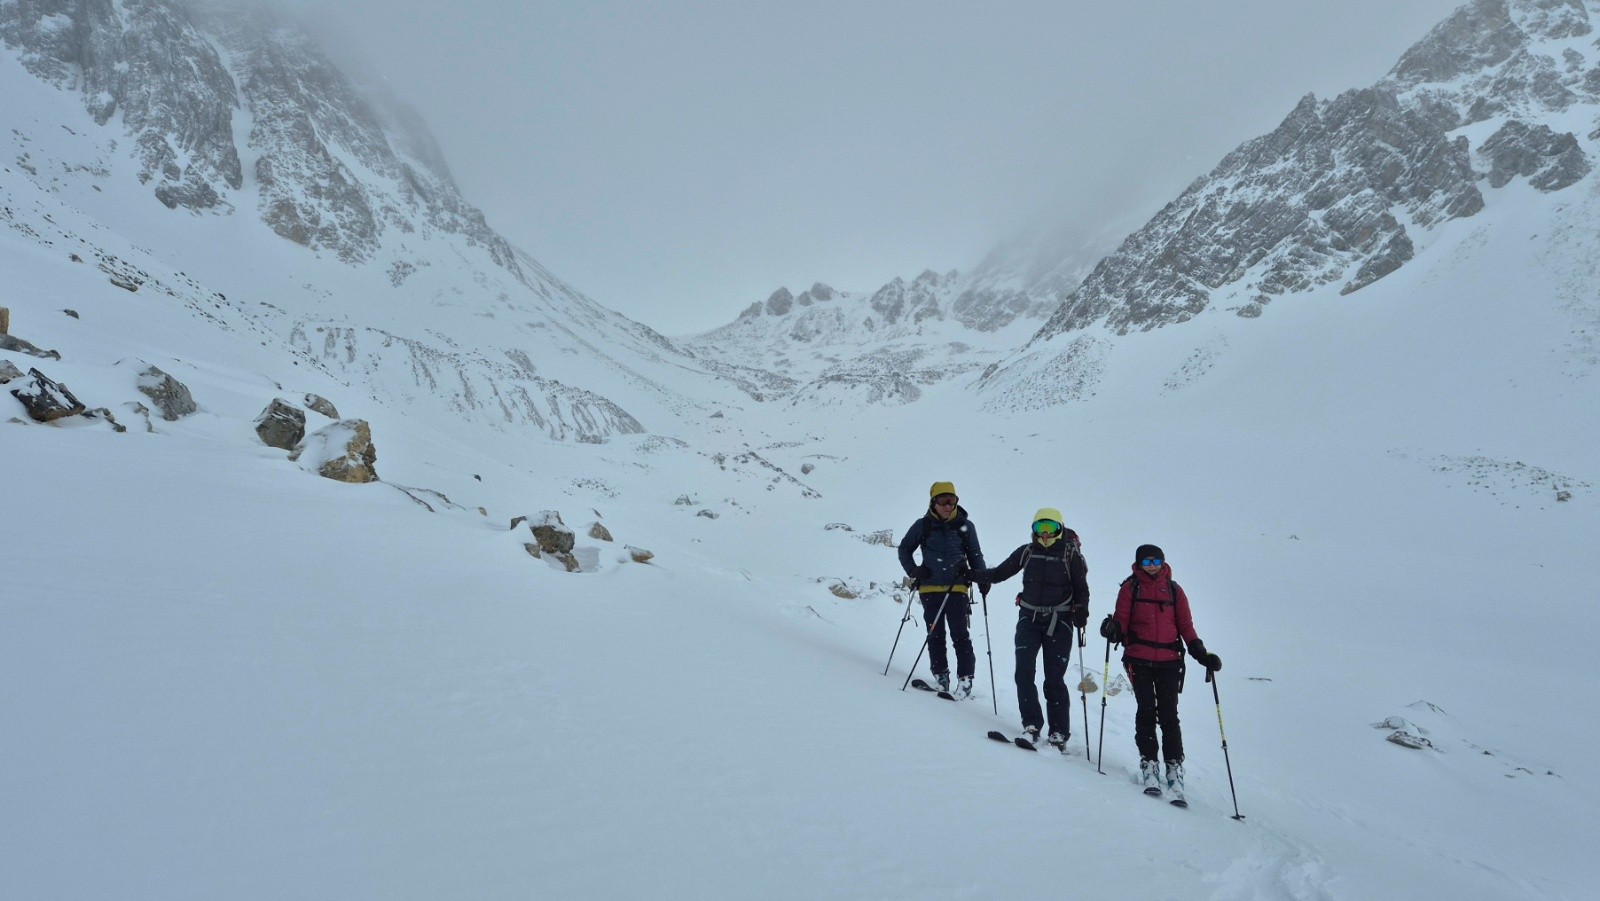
(1197, 650)
(1111, 630)
(1079, 615)
(920, 573)
(983, 587)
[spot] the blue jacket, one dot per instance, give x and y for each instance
(950, 552)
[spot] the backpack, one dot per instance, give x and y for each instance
(1072, 548)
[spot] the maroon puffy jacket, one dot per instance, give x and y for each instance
(1153, 624)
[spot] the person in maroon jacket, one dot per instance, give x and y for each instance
(1153, 624)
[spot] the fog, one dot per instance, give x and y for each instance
(678, 160)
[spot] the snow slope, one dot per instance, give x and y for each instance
(230, 677)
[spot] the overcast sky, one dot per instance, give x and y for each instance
(679, 160)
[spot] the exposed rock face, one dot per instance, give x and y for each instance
(169, 395)
(1331, 195)
(1550, 161)
(281, 425)
(342, 451)
(120, 57)
(8, 371)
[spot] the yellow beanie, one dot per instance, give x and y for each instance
(941, 488)
(1051, 514)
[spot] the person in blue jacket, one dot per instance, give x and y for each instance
(951, 556)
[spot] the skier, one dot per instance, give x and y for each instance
(1152, 616)
(950, 554)
(1054, 600)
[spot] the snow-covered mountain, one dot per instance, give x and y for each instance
(327, 216)
(826, 347)
(646, 666)
(1499, 101)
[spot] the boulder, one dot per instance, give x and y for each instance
(8, 371)
(103, 413)
(806, 468)
(884, 537)
(320, 404)
(17, 345)
(552, 534)
(281, 425)
(169, 395)
(46, 400)
(638, 554)
(599, 532)
(842, 591)
(342, 451)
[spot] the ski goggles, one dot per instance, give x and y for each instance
(1151, 561)
(1046, 527)
(944, 502)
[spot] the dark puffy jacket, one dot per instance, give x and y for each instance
(1051, 575)
(1154, 615)
(950, 552)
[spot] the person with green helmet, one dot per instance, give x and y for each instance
(1054, 600)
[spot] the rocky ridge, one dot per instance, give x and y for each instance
(1343, 190)
(386, 276)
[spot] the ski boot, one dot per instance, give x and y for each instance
(1175, 783)
(1058, 740)
(1150, 777)
(941, 681)
(963, 689)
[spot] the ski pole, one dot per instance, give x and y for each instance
(938, 618)
(1106, 677)
(903, 620)
(1212, 678)
(988, 646)
(1083, 695)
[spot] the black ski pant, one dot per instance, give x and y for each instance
(1156, 690)
(957, 613)
(1031, 638)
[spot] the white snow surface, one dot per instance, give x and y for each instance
(225, 677)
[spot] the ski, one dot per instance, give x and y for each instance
(1020, 742)
(1179, 802)
(1153, 791)
(918, 683)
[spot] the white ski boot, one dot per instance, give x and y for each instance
(1175, 783)
(1058, 740)
(1150, 777)
(963, 689)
